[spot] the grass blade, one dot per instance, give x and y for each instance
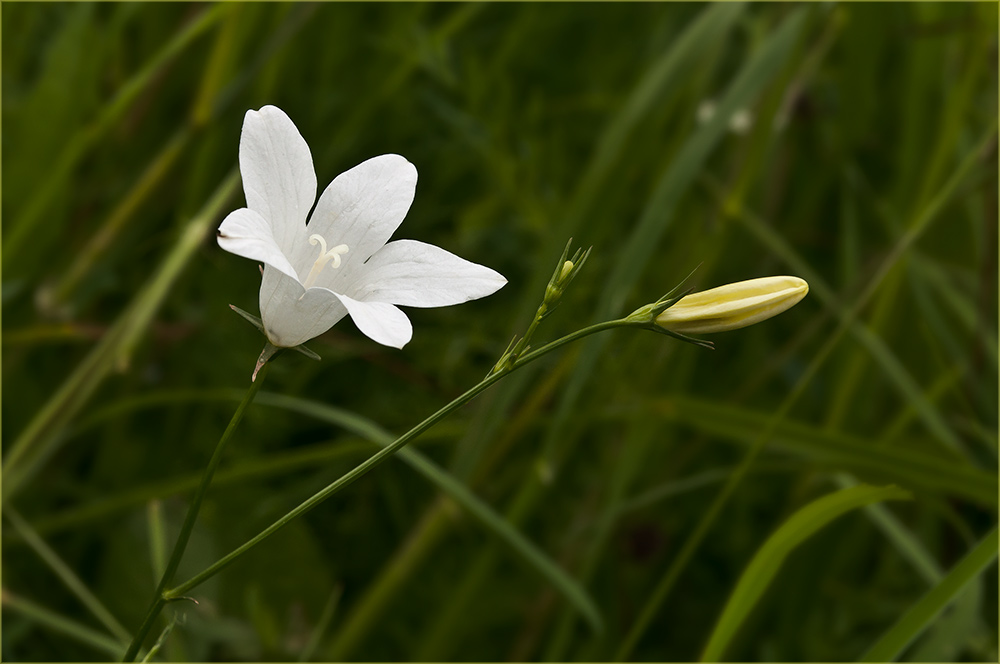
(633, 258)
(909, 467)
(43, 434)
(447, 483)
(76, 149)
(769, 558)
(66, 575)
(483, 513)
(937, 599)
(321, 624)
(61, 624)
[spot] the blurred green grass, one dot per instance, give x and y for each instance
(869, 168)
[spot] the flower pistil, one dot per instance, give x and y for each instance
(324, 256)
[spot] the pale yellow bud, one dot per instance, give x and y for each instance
(566, 269)
(733, 306)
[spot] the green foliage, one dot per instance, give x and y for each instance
(768, 560)
(631, 478)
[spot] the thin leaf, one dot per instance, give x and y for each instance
(76, 149)
(66, 575)
(322, 624)
(771, 556)
(61, 624)
(910, 467)
(44, 433)
(922, 614)
(370, 431)
(526, 550)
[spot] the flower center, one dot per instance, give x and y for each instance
(324, 256)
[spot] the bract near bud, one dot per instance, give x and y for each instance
(733, 306)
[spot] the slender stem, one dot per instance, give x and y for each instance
(571, 337)
(385, 453)
(159, 596)
(526, 339)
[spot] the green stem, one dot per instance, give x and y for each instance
(385, 453)
(160, 597)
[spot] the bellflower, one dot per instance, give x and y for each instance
(733, 306)
(339, 262)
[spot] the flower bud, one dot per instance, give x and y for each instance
(733, 306)
(565, 271)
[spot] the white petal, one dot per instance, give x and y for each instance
(416, 274)
(278, 176)
(293, 315)
(379, 321)
(245, 233)
(363, 207)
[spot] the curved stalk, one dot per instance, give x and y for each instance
(159, 596)
(385, 453)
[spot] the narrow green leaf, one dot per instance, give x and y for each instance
(61, 624)
(910, 467)
(65, 574)
(370, 431)
(483, 513)
(770, 557)
(270, 465)
(644, 238)
(59, 295)
(44, 433)
(666, 73)
(922, 614)
(957, 628)
(321, 624)
(74, 151)
(944, 641)
(897, 373)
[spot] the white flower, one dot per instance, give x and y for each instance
(338, 263)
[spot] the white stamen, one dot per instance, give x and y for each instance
(324, 256)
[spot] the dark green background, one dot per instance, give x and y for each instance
(526, 127)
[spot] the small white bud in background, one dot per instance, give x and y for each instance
(706, 111)
(741, 121)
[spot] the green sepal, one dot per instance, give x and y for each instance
(312, 355)
(649, 312)
(253, 320)
(691, 340)
(259, 324)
